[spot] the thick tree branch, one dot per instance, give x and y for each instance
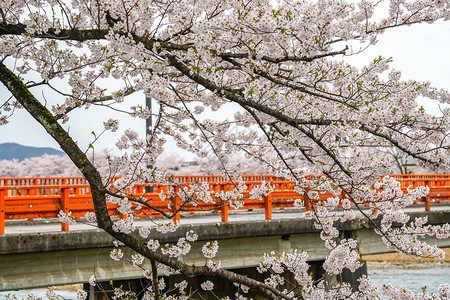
(236, 97)
(74, 34)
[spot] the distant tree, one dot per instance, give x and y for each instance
(53, 166)
(299, 108)
(40, 166)
(174, 164)
(9, 168)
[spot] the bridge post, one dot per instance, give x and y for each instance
(176, 206)
(2, 210)
(91, 291)
(268, 207)
(346, 275)
(352, 278)
(223, 205)
(65, 192)
(427, 199)
(224, 211)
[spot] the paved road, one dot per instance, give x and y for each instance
(21, 227)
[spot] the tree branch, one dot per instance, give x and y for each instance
(41, 114)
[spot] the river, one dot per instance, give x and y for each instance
(413, 276)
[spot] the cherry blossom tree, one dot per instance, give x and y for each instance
(52, 166)
(175, 164)
(169, 163)
(299, 109)
(41, 166)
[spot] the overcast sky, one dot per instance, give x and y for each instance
(421, 52)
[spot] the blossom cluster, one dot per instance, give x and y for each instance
(210, 249)
(263, 189)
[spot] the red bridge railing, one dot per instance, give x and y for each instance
(32, 198)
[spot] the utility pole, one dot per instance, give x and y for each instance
(148, 132)
(149, 120)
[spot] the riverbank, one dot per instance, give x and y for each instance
(403, 258)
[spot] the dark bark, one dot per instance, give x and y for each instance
(64, 34)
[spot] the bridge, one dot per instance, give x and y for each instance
(35, 253)
(44, 198)
(56, 258)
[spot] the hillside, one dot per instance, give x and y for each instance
(10, 151)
